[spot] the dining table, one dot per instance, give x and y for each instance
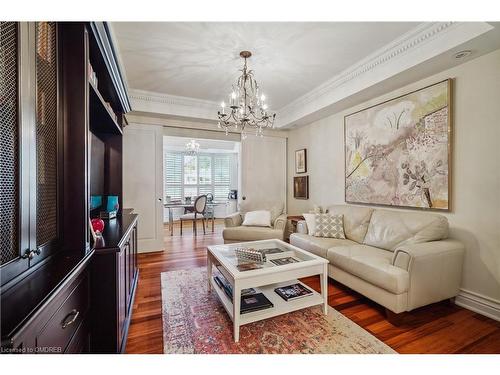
(190, 207)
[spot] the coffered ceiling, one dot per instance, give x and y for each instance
(184, 69)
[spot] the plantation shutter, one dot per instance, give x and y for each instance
(173, 175)
(222, 176)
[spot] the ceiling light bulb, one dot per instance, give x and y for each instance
(223, 105)
(264, 106)
(262, 97)
(233, 95)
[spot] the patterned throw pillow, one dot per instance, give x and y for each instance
(328, 225)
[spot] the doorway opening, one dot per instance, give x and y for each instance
(193, 167)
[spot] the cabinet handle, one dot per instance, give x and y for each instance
(30, 254)
(74, 314)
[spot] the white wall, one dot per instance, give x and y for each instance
(263, 167)
(475, 215)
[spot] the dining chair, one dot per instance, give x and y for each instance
(199, 206)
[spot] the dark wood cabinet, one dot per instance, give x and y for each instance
(114, 281)
(47, 116)
(61, 321)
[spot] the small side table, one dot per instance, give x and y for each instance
(294, 219)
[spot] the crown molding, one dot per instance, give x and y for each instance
(150, 96)
(425, 41)
(172, 105)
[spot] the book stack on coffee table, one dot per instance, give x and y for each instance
(252, 299)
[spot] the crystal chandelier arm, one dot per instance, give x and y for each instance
(247, 108)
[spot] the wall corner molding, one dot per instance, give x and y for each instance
(425, 41)
(478, 303)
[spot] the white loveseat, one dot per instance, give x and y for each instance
(401, 260)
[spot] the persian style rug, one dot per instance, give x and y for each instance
(194, 321)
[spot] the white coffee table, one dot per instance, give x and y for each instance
(266, 279)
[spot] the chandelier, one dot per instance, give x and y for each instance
(192, 147)
(247, 105)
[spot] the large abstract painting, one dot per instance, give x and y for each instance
(397, 152)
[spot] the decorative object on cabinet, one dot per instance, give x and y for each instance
(112, 207)
(301, 161)
(301, 187)
(397, 153)
(97, 225)
(95, 201)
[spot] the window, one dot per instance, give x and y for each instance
(193, 175)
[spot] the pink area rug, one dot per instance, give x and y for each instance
(194, 321)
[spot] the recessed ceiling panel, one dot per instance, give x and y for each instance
(201, 59)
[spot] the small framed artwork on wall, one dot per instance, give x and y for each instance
(301, 187)
(301, 161)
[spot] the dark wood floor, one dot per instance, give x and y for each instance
(439, 328)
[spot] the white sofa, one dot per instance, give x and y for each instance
(401, 260)
(235, 232)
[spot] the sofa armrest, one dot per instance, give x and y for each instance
(280, 222)
(302, 227)
(233, 220)
(409, 256)
(434, 268)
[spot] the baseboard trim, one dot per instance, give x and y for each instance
(478, 303)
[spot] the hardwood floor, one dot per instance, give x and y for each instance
(438, 328)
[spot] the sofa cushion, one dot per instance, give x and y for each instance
(246, 233)
(390, 229)
(356, 220)
(317, 245)
(370, 264)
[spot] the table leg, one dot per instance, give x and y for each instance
(324, 288)
(236, 311)
(171, 221)
(213, 220)
(209, 271)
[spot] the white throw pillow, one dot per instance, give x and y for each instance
(311, 223)
(257, 219)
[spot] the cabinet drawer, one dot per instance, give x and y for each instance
(61, 327)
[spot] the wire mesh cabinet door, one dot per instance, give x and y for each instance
(14, 234)
(44, 213)
(29, 145)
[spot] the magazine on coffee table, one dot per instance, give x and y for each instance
(283, 261)
(273, 250)
(292, 292)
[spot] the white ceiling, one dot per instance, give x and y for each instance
(307, 70)
(201, 60)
